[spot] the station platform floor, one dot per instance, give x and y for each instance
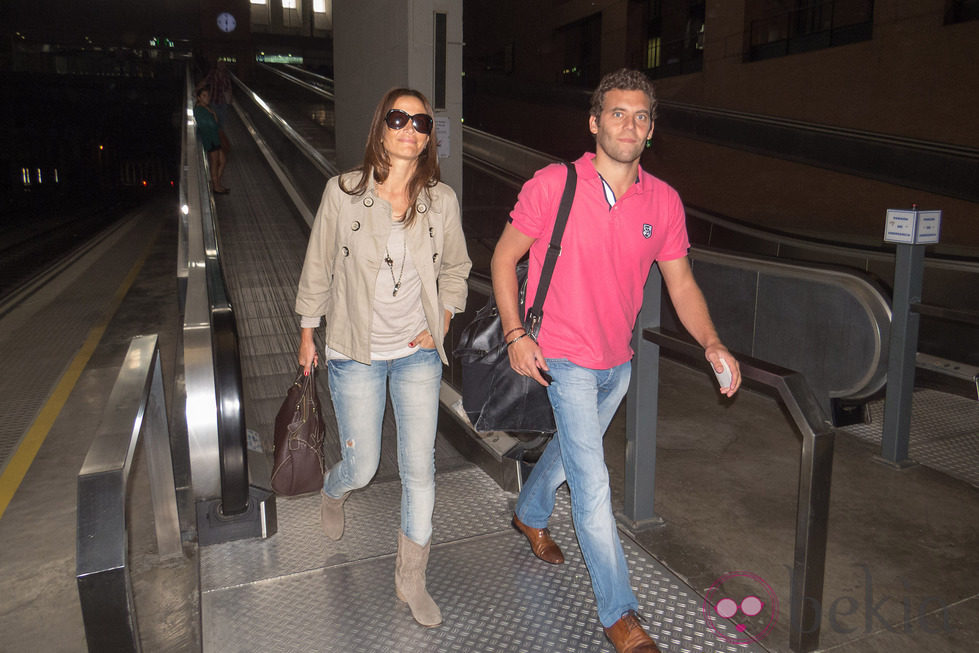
(901, 570)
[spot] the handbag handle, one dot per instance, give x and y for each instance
(305, 383)
(536, 312)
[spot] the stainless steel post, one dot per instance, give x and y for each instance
(642, 408)
(908, 274)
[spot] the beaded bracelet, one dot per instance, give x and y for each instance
(512, 330)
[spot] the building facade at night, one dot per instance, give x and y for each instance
(814, 117)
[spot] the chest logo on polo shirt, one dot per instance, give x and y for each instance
(647, 230)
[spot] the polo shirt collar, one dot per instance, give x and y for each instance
(587, 170)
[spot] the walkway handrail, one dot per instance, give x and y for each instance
(228, 389)
(815, 471)
(136, 404)
(215, 410)
(322, 164)
(326, 89)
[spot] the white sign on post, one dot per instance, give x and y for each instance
(442, 135)
(912, 227)
(929, 224)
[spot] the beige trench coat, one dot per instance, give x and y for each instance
(346, 250)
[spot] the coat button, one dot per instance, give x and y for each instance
(355, 226)
(431, 232)
(368, 202)
(435, 256)
(421, 207)
(346, 252)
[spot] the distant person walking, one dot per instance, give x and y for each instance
(218, 81)
(208, 132)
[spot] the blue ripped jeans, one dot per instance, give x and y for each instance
(584, 402)
(359, 396)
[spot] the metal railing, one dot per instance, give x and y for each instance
(815, 463)
(136, 404)
(815, 473)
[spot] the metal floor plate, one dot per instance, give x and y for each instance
(944, 432)
(299, 591)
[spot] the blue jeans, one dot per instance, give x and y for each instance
(584, 402)
(359, 398)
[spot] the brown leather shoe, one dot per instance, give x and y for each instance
(628, 636)
(540, 542)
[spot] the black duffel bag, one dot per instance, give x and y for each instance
(494, 396)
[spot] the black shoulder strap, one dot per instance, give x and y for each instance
(536, 312)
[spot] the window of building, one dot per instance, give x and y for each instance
(260, 12)
(790, 26)
(292, 13)
(674, 38)
(959, 11)
(582, 41)
(653, 48)
(323, 14)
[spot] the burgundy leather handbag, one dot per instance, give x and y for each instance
(297, 466)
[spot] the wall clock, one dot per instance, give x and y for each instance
(226, 22)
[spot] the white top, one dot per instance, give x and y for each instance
(398, 317)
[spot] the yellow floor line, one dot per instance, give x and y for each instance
(21, 461)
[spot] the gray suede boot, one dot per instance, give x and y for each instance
(331, 515)
(409, 581)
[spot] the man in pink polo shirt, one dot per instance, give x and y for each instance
(622, 221)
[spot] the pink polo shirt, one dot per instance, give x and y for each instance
(606, 254)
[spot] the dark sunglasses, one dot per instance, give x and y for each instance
(398, 119)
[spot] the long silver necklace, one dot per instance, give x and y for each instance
(390, 262)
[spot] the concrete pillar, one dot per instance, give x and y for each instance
(381, 44)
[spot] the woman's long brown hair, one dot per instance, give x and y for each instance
(427, 172)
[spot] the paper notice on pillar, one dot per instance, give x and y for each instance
(442, 135)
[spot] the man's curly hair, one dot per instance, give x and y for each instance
(623, 80)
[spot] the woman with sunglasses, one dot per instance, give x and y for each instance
(387, 266)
